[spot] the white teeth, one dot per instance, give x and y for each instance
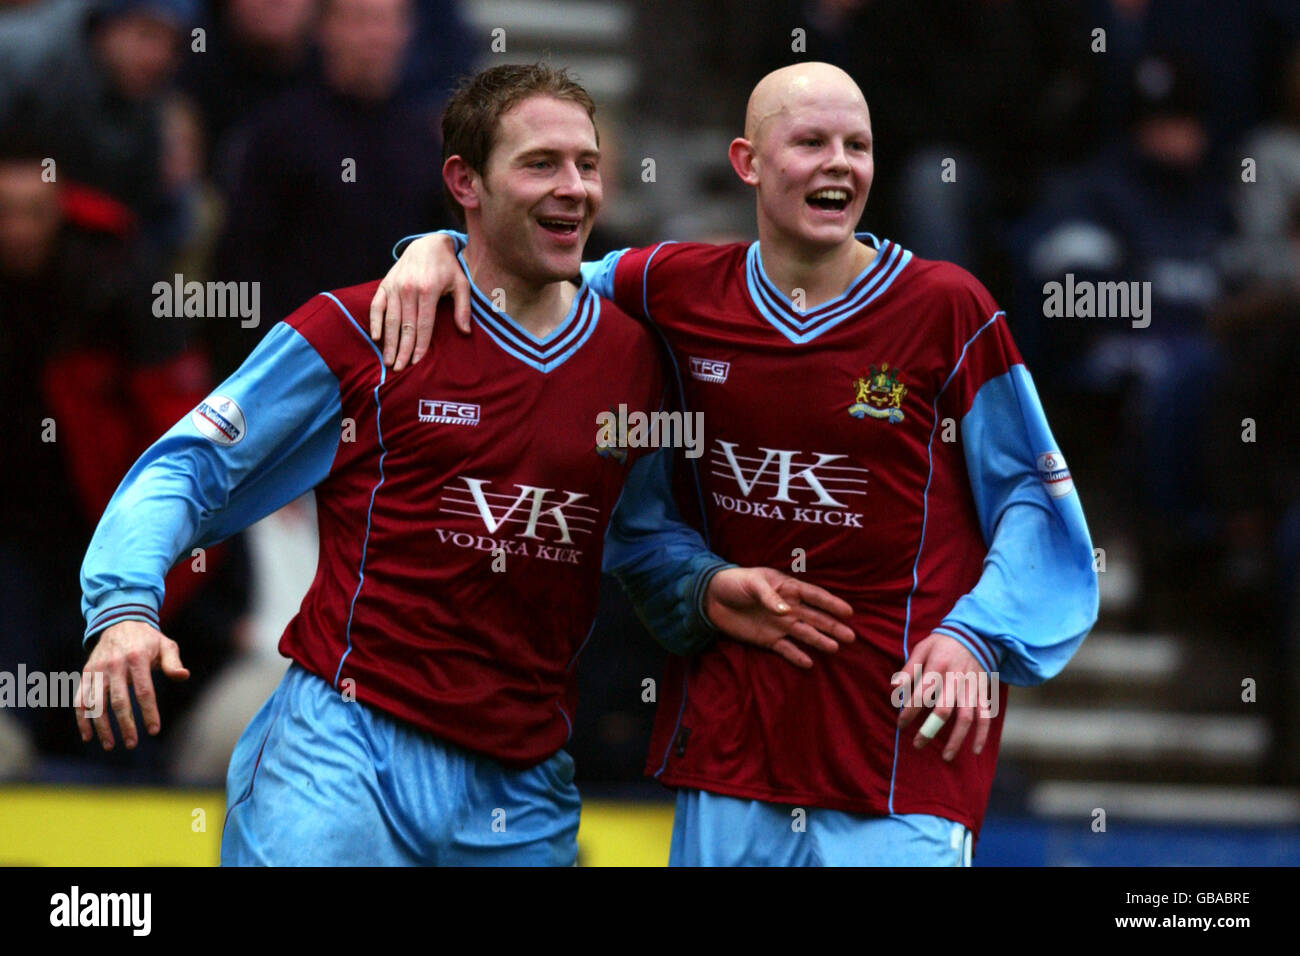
(832, 194)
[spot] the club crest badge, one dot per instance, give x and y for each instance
(879, 395)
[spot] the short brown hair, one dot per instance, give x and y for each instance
(473, 114)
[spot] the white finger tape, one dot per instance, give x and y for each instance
(931, 726)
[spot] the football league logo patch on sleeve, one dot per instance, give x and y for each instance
(220, 420)
(879, 395)
(1056, 476)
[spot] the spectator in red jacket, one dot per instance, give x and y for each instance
(90, 378)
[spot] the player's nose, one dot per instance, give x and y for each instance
(568, 182)
(837, 157)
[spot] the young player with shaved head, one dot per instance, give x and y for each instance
(869, 420)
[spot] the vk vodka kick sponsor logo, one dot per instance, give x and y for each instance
(528, 521)
(786, 484)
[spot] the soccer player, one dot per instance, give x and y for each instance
(869, 421)
(462, 507)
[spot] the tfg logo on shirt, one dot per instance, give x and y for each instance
(448, 413)
(709, 370)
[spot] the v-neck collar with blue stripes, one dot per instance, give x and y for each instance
(799, 327)
(545, 354)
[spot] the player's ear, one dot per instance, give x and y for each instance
(462, 182)
(741, 154)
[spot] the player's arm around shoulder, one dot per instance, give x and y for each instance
(655, 282)
(403, 309)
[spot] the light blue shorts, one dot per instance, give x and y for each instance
(317, 780)
(713, 830)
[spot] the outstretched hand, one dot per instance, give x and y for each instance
(123, 659)
(769, 609)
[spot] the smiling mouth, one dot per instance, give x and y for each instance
(561, 227)
(830, 199)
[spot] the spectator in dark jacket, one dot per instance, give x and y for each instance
(331, 173)
(254, 51)
(87, 81)
(1150, 213)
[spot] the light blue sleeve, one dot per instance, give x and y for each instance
(400, 245)
(267, 435)
(599, 275)
(1036, 598)
(662, 563)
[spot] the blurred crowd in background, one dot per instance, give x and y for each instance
(291, 142)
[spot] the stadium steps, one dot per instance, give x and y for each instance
(1162, 803)
(588, 37)
(593, 39)
(1144, 709)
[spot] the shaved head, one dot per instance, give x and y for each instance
(807, 152)
(785, 90)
